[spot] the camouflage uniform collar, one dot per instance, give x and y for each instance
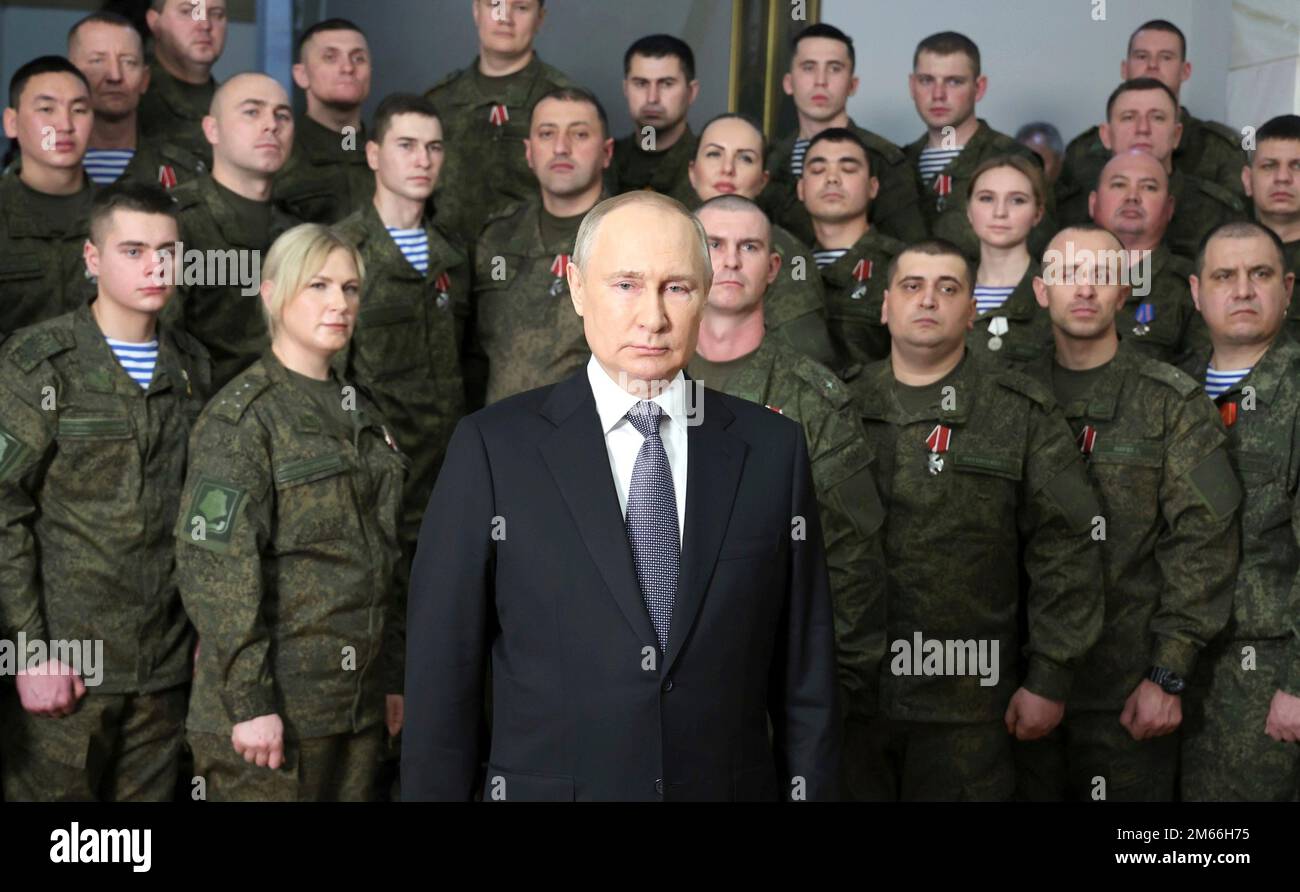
(1280, 363)
(754, 369)
(306, 419)
(532, 227)
(1021, 304)
(983, 134)
(321, 145)
(1103, 398)
(518, 86)
(1189, 146)
(442, 254)
(181, 98)
(228, 221)
(23, 218)
(840, 273)
(102, 373)
(880, 402)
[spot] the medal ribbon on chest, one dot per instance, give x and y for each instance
(939, 440)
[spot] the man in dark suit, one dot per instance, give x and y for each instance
(640, 559)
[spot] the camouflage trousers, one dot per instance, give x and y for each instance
(114, 748)
(1091, 756)
(1227, 757)
(337, 768)
(886, 760)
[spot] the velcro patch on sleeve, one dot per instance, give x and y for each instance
(1216, 484)
(213, 513)
(13, 453)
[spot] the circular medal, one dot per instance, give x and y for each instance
(556, 287)
(1140, 330)
(995, 343)
(859, 293)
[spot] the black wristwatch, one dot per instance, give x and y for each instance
(1170, 682)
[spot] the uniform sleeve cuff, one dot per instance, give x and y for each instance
(250, 703)
(1048, 679)
(1177, 656)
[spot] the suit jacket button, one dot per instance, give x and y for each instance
(668, 685)
(659, 786)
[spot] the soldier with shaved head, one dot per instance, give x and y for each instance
(229, 220)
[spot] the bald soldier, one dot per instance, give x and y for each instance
(44, 207)
(1132, 200)
(525, 331)
(1143, 114)
(109, 52)
(188, 37)
(989, 514)
(228, 222)
(1154, 448)
(1208, 150)
(327, 177)
(1243, 718)
(485, 109)
(1272, 180)
(729, 160)
(734, 355)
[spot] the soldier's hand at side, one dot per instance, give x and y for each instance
(1283, 723)
(51, 690)
(394, 713)
(1150, 712)
(260, 741)
(1030, 716)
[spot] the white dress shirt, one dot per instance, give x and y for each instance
(623, 441)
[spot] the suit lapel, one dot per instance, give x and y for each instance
(714, 461)
(578, 460)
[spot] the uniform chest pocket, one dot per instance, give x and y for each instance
(986, 477)
(16, 267)
(1256, 469)
(97, 455)
(389, 340)
(314, 499)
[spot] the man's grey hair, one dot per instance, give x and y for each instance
(591, 223)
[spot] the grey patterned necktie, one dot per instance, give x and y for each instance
(652, 520)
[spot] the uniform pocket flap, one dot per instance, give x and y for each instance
(1128, 452)
(387, 314)
(975, 463)
(94, 427)
(21, 266)
(307, 470)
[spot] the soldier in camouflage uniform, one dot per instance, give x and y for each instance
(108, 51)
(1132, 200)
(326, 177)
(946, 84)
(1155, 452)
(1272, 181)
(1243, 716)
(1142, 114)
(287, 545)
(485, 112)
(43, 205)
(526, 332)
(1005, 202)
(228, 219)
(733, 355)
(406, 349)
(188, 37)
(660, 86)
(837, 188)
(981, 482)
(1208, 150)
(729, 161)
(820, 82)
(92, 458)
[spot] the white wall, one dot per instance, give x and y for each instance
(1045, 59)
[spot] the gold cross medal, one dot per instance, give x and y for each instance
(997, 328)
(558, 267)
(938, 441)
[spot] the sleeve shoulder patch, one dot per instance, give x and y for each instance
(212, 514)
(14, 453)
(429, 94)
(1182, 383)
